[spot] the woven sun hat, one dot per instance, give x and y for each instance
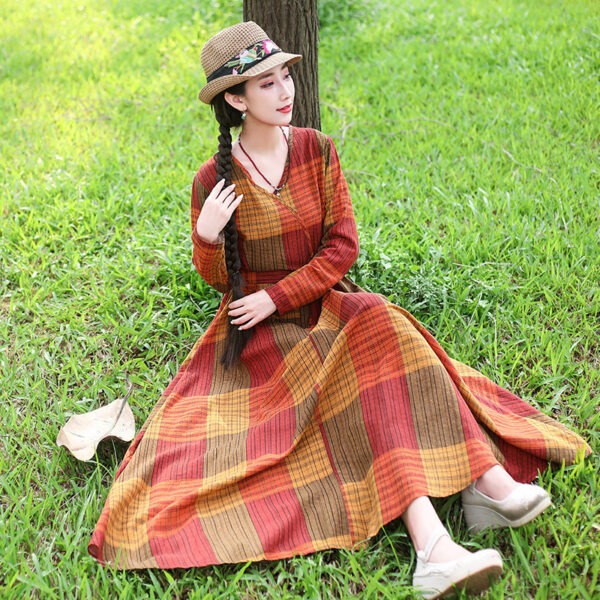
(237, 54)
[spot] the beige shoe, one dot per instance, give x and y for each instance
(473, 573)
(521, 506)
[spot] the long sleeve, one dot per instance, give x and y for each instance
(338, 249)
(209, 259)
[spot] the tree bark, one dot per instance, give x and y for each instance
(294, 26)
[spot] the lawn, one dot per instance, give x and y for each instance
(468, 132)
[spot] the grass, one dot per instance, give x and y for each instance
(469, 134)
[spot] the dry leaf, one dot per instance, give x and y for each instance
(82, 433)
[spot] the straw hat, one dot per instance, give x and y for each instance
(237, 54)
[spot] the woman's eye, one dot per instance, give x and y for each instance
(266, 85)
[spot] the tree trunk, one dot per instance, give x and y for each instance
(294, 26)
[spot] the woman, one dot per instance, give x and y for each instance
(311, 412)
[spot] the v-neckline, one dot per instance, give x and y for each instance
(288, 168)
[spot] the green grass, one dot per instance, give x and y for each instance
(469, 134)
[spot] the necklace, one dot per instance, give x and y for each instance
(286, 170)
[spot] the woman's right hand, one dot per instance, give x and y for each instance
(216, 211)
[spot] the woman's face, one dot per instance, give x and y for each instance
(268, 98)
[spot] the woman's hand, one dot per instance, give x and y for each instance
(251, 310)
(216, 211)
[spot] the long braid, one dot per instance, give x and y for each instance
(236, 339)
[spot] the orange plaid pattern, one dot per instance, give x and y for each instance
(324, 431)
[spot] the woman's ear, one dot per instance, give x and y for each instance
(236, 101)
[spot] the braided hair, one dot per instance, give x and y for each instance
(229, 117)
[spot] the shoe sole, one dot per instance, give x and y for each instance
(479, 518)
(473, 582)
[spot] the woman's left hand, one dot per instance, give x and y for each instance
(251, 310)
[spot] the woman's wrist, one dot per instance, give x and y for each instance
(209, 239)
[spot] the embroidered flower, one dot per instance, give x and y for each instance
(268, 46)
(250, 56)
(247, 56)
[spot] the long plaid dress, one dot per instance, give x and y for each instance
(342, 410)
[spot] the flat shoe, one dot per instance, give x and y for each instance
(522, 505)
(472, 573)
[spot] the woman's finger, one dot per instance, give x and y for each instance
(226, 194)
(242, 319)
(236, 312)
(217, 189)
(235, 201)
(218, 192)
(249, 324)
(229, 209)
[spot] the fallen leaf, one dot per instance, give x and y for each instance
(81, 434)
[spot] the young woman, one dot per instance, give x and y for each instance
(311, 412)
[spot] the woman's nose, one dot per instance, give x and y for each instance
(287, 88)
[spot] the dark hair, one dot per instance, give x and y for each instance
(229, 117)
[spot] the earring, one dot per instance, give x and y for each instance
(243, 116)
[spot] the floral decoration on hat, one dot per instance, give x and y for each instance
(246, 59)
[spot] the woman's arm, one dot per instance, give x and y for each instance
(338, 249)
(208, 258)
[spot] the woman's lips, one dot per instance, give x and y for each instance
(285, 109)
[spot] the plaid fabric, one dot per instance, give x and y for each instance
(342, 411)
